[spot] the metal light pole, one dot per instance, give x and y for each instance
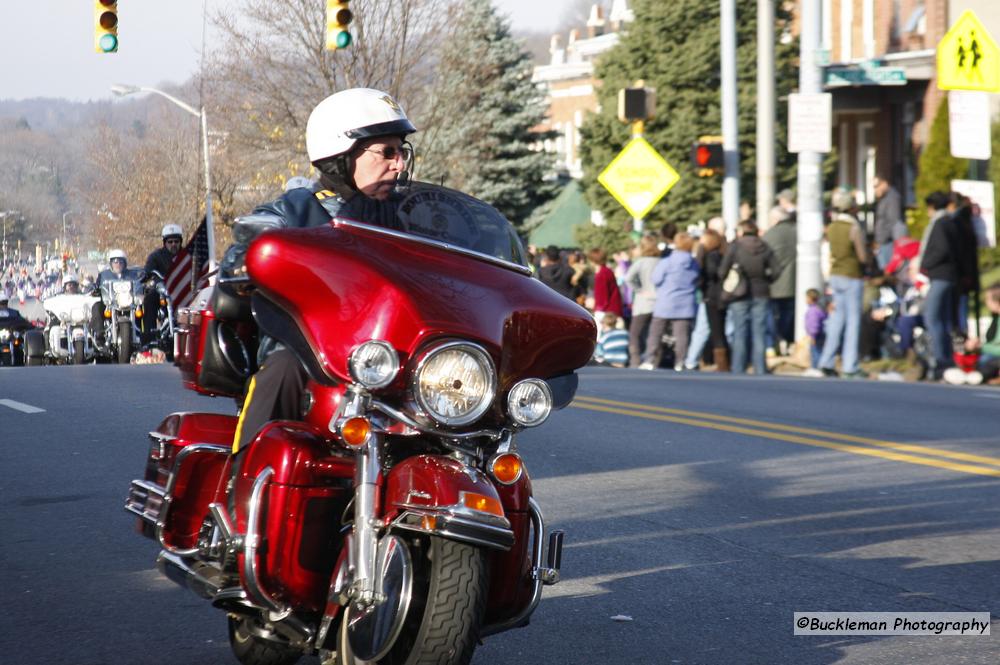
(730, 128)
(5, 215)
(809, 208)
(63, 240)
(765, 110)
(122, 90)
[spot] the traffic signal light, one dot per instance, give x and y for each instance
(707, 156)
(106, 26)
(338, 16)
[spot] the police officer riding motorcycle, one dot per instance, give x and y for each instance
(121, 295)
(158, 315)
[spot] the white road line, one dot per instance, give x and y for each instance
(20, 406)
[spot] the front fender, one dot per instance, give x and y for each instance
(428, 493)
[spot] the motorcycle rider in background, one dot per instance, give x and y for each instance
(70, 284)
(117, 269)
(159, 261)
(356, 139)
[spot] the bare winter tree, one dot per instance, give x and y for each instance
(272, 67)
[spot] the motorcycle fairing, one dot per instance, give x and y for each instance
(349, 283)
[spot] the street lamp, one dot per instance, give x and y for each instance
(122, 90)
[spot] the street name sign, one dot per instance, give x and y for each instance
(638, 177)
(839, 77)
(969, 124)
(810, 122)
(967, 57)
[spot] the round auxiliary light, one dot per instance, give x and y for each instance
(529, 402)
(455, 383)
(355, 431)
(506, 468)
(374, 364)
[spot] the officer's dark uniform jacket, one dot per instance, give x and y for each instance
(160, 260)
(275, 392)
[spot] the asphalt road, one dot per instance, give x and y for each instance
(705, 509)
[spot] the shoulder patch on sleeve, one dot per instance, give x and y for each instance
(324, 194)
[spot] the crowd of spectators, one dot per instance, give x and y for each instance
(689, 299)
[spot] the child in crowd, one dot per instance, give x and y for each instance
(979, 360)
(612, 343)
(815, 319)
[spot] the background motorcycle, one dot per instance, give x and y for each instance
(162, 335)
(12, 342)
(122, 300)
(68, 337)
(395, 523)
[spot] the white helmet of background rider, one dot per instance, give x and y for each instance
(172, 231)
(346, 117)
(117, 254)
(69, 277)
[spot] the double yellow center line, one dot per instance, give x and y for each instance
(898, 452)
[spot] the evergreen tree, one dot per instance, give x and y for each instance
(674, 47)
(936, 167)
(482, 118)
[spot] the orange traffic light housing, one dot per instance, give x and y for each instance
(338, 17)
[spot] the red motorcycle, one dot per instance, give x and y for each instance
(395, 522)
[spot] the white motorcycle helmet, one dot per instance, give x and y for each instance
(69, 277)
(348, 116)
(117, 254)
(172, 231)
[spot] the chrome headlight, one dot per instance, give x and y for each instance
(455, 383)
(123, 299)
(4, 335)
(374, 364)
(79, 315)
(529, 402)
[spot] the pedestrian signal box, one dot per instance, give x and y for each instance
(636, 104)
(707, 156)
(338, 16)
(106, 26)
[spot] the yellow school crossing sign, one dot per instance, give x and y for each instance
(967, 57)
(638, 177)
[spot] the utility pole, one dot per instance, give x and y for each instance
(730, 129)
(809, 208)
(765, 110)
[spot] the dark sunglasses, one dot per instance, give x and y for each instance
(392, 153)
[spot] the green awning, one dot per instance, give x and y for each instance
(569, 210)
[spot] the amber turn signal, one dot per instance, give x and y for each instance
(138, 312)
(506, 468)
(482, 503)
(107, 313)
(355, 431)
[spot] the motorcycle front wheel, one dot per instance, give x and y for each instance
(78, 356)
(446, 609)
(124, 342)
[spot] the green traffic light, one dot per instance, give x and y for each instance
(108, 43)
(343, 39)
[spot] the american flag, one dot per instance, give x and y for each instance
(189, 273)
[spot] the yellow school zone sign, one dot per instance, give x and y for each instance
(967, 57)
(638, 177)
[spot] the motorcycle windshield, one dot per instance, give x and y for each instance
(445, 266)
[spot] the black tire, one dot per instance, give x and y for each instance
(124, 342)
(446, 611)
(252, 650)
(78, 357)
